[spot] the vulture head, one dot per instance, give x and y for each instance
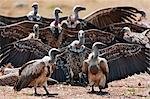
(78, 8)
(75, 11)
(57, 11)
(52, 53)
(35, 7)
(78, 45)
(36, 30)
(126, 29)
(81, 37)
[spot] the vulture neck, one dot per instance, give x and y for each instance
(81, 40)
(36, 33)
(56, 19)
(53, 58)
(75, 15)
(95, 52)
(35, 10)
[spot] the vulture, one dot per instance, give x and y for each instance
(36, 72)
(19, 52)
(103, 17)
(74, 54)
(117, 62)
(72, 59)
(96, 68)
(22, 29)
(31, 16)
(139, 38)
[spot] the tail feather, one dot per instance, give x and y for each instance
(21, 83)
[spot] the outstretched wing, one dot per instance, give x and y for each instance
(48, 21)
(91, 36)
(16, 31)
(48, 37)
(95, 35)
(6, 20)
(28, 73)
(115, 28)
(104, 17)
(23, 51)
(125, 60)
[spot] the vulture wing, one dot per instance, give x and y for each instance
(16, 31)
(104, 17)
(91, 36)
(48, 21)
(95, 35)
(48, 37)
(117, 27)
(6, 20)
(125, 60)
(28, 73)
(23, 51)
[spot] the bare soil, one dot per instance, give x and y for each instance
(134, 87)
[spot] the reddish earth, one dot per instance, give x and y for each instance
(134, 87)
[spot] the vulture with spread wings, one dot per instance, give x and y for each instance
(24, 50)
(22, 29)
(129, 32)
(16, 31)
(31, 16)
(115, 62)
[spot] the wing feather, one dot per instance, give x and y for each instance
(28, 73)
(22, 51)
(117, 14)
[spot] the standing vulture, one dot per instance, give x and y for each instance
(74, 54)
(103, 17)
(24, 50)
(36, 72)
(31, 16)
(123, 60)
(96, 68)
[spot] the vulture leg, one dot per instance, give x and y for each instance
(93, 89)
(45, 88)
(35, 91)
(102, 92)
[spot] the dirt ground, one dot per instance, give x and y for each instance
(134, 87)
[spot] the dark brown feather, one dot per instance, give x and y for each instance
(103, 17)
(125, 60)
